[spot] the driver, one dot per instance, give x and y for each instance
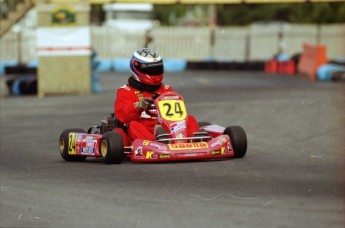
(134, 98)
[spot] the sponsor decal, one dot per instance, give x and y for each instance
(222, 150)
(186, 146)
(220, 141)
(158, 146)
(151, 155)
(63, 15)
(146, 142)
(164, 156)
(138, 152)
(90, 143)
(89, 137)
(88, 150)
(88, 146)
(218, 152)
(229, 146)
(190, 155)
(171, 98)
(178, 126)
(215, 152)
(179, 136)
(63, 41)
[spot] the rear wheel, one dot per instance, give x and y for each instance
(112, 148)
(64, 145)
(238, 139)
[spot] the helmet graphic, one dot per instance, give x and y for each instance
(147, 66)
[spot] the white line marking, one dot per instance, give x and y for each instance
(268, 202)
(216, 196)
(20, 216)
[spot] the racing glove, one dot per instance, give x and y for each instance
(144, 104)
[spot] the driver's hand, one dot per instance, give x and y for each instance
(145, 103)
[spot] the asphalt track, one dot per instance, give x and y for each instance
(292, 175)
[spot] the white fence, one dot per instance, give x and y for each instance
(250, 43)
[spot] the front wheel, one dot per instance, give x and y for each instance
(64, 144)
(112, 148)
(238, 139)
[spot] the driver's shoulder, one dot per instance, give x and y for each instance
(126, 90)
(166, 88)
(125, 87)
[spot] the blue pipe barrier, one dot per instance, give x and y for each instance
(95, 64)
(33, 64)
(327, 72)
(5, 64)
(24, 84)
(175, 65)
(121, 65)
(170, 65)
(105, 65)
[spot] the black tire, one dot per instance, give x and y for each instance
(64, 143)
(238, 139)
(111, 148)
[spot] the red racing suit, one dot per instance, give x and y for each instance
(140, 124)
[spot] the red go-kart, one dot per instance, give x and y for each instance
(171, 144)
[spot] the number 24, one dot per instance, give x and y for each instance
(177, 109)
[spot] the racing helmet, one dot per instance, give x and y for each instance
(147, 66)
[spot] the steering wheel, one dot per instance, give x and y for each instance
(152, 111)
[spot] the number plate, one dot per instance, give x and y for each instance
(172, 110)
(72, 143)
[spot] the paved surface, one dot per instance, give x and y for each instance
(292, 175)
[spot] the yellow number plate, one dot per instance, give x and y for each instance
(172, 110)
(72, 143)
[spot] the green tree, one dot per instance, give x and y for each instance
(294, 13)
(244, 14)
(168, 15)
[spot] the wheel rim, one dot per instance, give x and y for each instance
(61, 145)
(104, 148)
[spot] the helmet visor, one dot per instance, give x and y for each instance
(152, 69)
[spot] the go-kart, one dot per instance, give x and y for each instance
(171, 144)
